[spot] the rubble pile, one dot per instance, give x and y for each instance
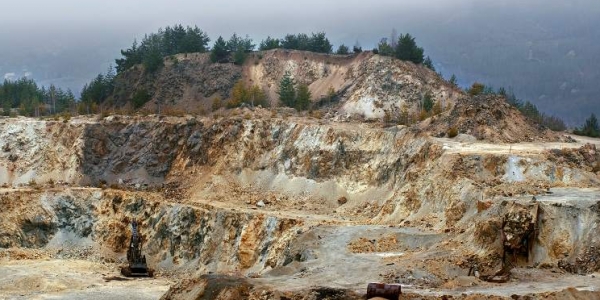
(490, 118)
(586, 157)
(586, 263)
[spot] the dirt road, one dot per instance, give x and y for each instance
(454, 146)
(73, 279)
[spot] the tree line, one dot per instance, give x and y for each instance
(404, 48)
(233, 50)
(155, 46)
(26, 98)
(316, 42)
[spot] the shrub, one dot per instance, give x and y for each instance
(387, 117)
(428, 102)
(476, 89)
(317, 114)
(140, 98)
(343, 50)
(452, 132)
(66, 117)
(437, 108)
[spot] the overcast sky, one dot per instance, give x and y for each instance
(67, 42)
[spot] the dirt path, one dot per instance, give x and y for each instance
(453, 146)
(288, 214)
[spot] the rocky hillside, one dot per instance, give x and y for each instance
(365, 84)
(490, 118)
(367, 87)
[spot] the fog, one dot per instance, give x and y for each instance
(546, 51)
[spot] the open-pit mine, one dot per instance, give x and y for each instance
(267, 203)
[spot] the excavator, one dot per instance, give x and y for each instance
(137, 266)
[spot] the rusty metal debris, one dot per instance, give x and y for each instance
(137, 266)
(387, 291)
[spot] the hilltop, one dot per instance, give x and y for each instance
(366, 87)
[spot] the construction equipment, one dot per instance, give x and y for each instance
(382, 290)
(137, 262)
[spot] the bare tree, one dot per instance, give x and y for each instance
(394, 38)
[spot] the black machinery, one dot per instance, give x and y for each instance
(137, 262)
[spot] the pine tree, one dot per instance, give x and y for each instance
(287, 92)
(153, 60)
(343, 50)
(408, 50)
(429, 64)
(453, 80)
(219, 51)
(303, 97)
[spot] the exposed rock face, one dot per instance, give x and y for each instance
(284, 199)
(122, 150)
(173, 235)
(187, 79)
(368, 85)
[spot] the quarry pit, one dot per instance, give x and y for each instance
(278, 207)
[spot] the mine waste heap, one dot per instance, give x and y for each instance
(137, 266)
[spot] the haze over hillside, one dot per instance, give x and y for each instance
(544, 50)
